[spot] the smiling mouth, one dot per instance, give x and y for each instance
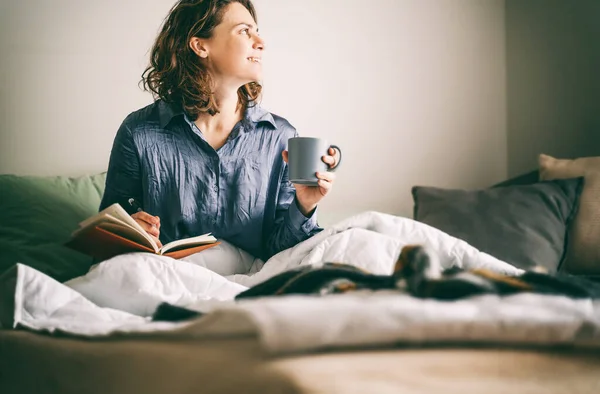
(254, 59)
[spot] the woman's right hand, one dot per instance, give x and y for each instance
(149, 223)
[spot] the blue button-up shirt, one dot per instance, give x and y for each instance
(239, 192)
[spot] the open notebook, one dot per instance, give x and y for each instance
(113, 231)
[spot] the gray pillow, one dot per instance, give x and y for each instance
(524, 225)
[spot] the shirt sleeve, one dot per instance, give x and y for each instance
(123, 179)
(291, 226)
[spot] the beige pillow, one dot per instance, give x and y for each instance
(583, 249)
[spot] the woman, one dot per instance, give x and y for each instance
(204, 157)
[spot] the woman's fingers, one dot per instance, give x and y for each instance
(323, 184)
(157, 242)
(146, 217)
(329, 160)
(326, 176)
(151, 224)
(332, 158)
(149, 228)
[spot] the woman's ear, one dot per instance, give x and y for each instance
(198, 46)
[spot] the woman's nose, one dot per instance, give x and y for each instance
(259, 43)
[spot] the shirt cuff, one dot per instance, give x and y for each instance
(298, 222)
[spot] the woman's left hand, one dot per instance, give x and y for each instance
(309, 196)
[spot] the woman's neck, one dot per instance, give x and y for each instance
(222, 122)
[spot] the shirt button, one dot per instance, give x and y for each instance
(216, 188)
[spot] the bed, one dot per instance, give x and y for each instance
(39, 362)
(33, 363)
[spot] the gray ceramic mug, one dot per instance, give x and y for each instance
(304, 159)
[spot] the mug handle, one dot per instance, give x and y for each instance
(339, 161)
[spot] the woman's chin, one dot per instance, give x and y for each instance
(248, 80)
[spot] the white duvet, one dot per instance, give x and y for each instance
(117, 297)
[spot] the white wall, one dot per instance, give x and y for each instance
(553, 58)
(413, 90)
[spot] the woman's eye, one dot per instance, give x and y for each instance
(245, 31)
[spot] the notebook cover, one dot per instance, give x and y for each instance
(102, 244)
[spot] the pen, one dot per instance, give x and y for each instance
(134, 204)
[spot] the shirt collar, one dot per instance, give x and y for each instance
(256, 114)
(252, 116)
(166, 112)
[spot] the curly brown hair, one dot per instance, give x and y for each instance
(175, 75)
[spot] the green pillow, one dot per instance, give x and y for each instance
(38, 215)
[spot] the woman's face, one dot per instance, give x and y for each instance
(234, 52)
